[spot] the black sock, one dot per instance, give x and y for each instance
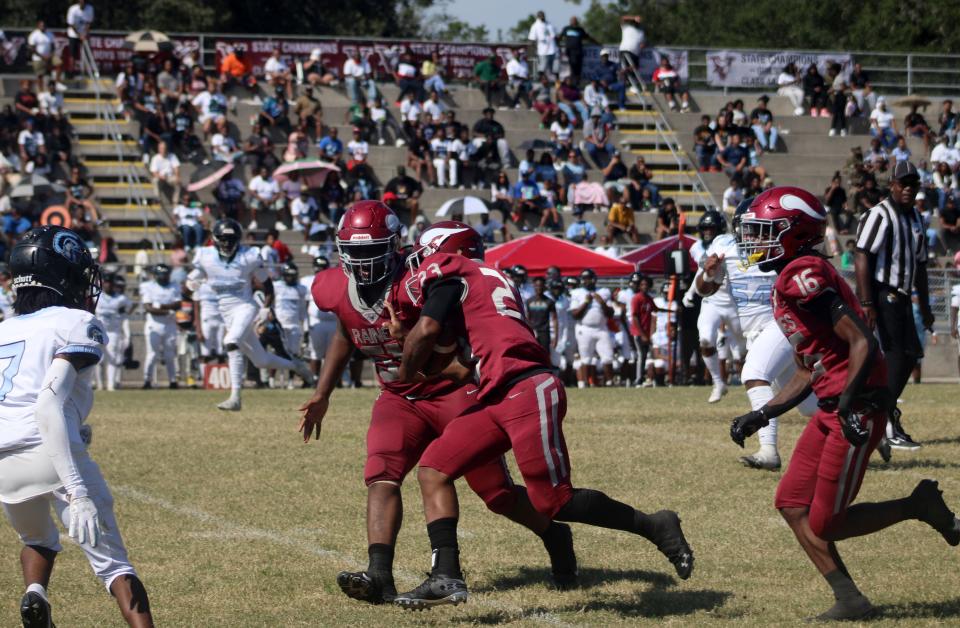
(595, 508)
(446, 550)
(381, 559)
(843, 587)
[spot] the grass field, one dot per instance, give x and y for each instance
(232, 521)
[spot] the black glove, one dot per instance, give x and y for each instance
(747, 425)
(852, 425)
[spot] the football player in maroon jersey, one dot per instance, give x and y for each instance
(522, 408)
(842, 363)
(405, 417)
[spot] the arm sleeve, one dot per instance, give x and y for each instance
(442, 298)
(54, 427)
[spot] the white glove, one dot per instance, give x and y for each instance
(263, 315)
(84, 521)
(688, 300)
(86, 434)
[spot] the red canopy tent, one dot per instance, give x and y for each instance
(651, 259)
(538, 252)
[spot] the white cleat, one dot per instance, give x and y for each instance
(719, 390)
(230, 405)
(303, 370)
(759, 461)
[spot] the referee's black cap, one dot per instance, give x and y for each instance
(905, 172)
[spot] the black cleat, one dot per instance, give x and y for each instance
(367, 587)
(848, 610)
(930, 508)
(563, 560)
(147, 386)
(174, 385)
(900, 438)
(669, 539)
(35, 611)
(883, 447)
(435, 591)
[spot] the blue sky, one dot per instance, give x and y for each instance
(504, 14)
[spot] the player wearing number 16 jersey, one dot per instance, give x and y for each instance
(522, 406)
(822, 319)
(47, 357)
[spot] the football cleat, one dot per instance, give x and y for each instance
(883, 447)
(847, 610)
(719, 390)
(230, 405)
(756, 461)
(563, 560)
(35, 611)
(434, 591)
(927, 499)
(366, 587)
(669, 539)
(303, 370)
(900, 439)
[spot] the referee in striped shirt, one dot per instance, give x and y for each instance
(890, 262)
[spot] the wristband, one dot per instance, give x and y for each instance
(707, 277)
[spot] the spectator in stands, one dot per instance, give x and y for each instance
(316, 73)
(432, 72)
(488, 228)
(170, 87)
(789, 85)
(404, 193)
(487, 158)
(572, 38)
(445, 148)
(434, 108)
(165, 172)
(487, 73)
(258, 150)
(867, 196)
(739, 116)
(900, 152)
(561, 134)
(420, 158)
(43, 54)
(835, 199)
(705, 146)
(764, 129)
(486, 128)
(333, 198)
(950, 225)
(189, 215)
(544, 36)
(574, 171)
(570, 101)
(815, 91)
(632, 41)
(597, 140)
(615, 174)
(79, 193)
(183, 140)
(609, 76)
(501, 194)
(358, 78)
(278, 74)
(620, 218)
(229, 194)
(915, 124)
(594, 96)
(32, 145)
(407, 77)
(210, 104)
(876, 159)
(274, 111)
(607, 247)
(668, 219)
(223, 146)
(264, 196)
(304, 211)
(667, 81)
(883, 125)
(733, 158)
(733, 195)
(542, 95)
(947, 121)
(945, 180)
(235, 69)
(859, 82)
(518, 80)
(79, 20)
(641, 176)
(410, 111)
(310, 111)
(330, 146)
(837, 95)
(580, 230)
(382, 119)
(944, 152)
(25, 101)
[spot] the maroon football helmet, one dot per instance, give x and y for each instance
(780, 224)
(447, 236)
(368, 242)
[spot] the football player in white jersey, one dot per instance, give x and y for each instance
(231, 270)
(954, 322)
(160, 299)
(113, 308)
(769, 362)
(566, 348)
(290, 307)
(717, 308)
(48, 353)
(208, 324)
(662, 341)
(320, 325)
(590, 310)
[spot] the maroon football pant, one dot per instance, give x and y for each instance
(401, 429)
(826, 471)
(528, 419)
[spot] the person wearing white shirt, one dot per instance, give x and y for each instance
(49, 98)
(79, 19)
(31, 144)
(160, 298)
(632, 40)
(357, 148)
(589, 308)
(434, 107)
(264, 195)
(445, 158)
(788, 84)
(545, 36)
(290, 308)
(357, 76)
(303, 211)
(188, 215)
(277, 73)
(165, 171)
(883, 124)
(945, 153)
(732, 196)
(43, 51)
(410, 109)
(518, 79)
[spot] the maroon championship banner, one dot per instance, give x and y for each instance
(456, 60)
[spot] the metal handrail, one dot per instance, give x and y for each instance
(662, 126)
(112, 132)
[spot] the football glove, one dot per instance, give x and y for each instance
(84, 521)
(747, 425)
(853, 430)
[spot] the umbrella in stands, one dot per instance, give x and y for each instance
(208, 174)
(310, 172)
(463, 206)
(652, 259)
(35, 185)
(538, 252)
(147, 41)
(911, 101)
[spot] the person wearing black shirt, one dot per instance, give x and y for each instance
(668, 219)
(761, 122)
(404, 193)
(572, 38)
(815, 90)
(542, 315)
(486, 127)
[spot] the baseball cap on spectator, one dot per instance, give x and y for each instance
(604, 53)
(905, 172)
(315, 53)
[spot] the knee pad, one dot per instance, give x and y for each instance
(231, 346)
(824, 524)
(381, 468)
(500, 500)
